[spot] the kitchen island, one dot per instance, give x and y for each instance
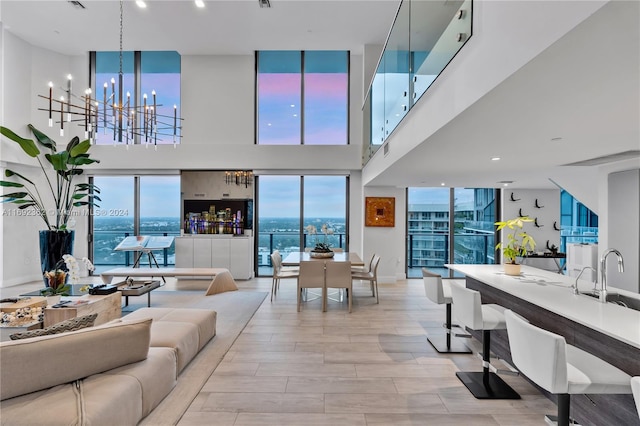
(607, 330)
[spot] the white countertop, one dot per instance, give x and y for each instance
(552, 292)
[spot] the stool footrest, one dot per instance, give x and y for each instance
(487, 385)
(444, 343)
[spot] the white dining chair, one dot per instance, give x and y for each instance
(312, 275)
(280, 273)
(635, 388)
(338, 275)
(371, 276)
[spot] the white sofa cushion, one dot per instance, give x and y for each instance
(31, 365)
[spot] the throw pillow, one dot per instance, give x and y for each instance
(71, 324)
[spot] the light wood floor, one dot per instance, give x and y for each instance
(371, 367)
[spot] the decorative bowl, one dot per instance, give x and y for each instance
(321, 254)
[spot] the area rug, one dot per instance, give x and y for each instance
(234, 309)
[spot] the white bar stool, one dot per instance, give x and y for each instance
(635, 388)
(547, 360)
(476, 316)
(440, 292)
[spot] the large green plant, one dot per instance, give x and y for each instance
(518, 243)
(66, 164)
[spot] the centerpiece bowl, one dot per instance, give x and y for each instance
(321, 254)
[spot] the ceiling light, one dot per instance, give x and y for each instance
(495, 158)
(505, 184)
(200, 3)
(264, 3)
(141, 4)
(442, 184)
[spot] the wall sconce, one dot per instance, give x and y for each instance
(239, 177)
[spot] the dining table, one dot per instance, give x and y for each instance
(294, 258)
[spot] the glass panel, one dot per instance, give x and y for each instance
(396, 71)
(278, 201)
(579, 225)
(326, 91)
(377, 107)
(161, 72)
(474, 217)
(107, 91)
(279, 97)
(160, 212)
(428, 230)
(113, 220)
(325, 203)
(434, 39)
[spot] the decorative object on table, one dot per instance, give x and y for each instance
(380, 211)
(552, 248)
(518, 243)
(66, 164)
(322, 249)
(56, 281)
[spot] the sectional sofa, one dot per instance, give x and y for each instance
(112, 374)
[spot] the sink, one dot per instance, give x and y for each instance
(618, 299)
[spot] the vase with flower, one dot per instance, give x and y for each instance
(56, 283)
(321, 249)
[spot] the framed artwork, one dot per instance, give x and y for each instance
(379, 211)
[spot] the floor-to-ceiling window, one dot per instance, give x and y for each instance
(286, 205)
(432, 214)
(578, 224)
(134, 205)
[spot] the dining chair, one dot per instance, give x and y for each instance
(371, 276)
(338, 275)
(312, 275)
(279, 273)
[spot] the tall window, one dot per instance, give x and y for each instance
(303, 97)
(286, 205)
(449, 225)
(158, 198)
(143, 73)
(578, 224)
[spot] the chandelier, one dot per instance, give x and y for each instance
(239, 177)
(127, 122)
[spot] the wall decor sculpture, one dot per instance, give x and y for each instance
(380, 211)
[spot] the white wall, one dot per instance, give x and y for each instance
(388, 243)
(545, 216)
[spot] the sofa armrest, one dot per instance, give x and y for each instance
(33, 364)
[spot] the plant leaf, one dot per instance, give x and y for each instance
(44, 140)
(10, 173)
(72, 144)
(79, 148)
(16, 195)
(11, 184)
(27, 145)
(58, 160)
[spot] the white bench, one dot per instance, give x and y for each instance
(221, 277)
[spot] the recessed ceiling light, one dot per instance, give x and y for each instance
(442, 184)
(495, 158)
(141, 4)
(269, 124)
(295, 115)
(200, 3)
(505, 184)
(293, 106)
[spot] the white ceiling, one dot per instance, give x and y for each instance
(222, 27)
(582, 89)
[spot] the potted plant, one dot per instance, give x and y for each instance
(518, 243)
(321, 249)
(59, 169)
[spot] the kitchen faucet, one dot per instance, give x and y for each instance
(575, 286)
(603, 271)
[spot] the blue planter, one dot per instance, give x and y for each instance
(54, 245)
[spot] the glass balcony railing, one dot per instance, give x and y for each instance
(424, 38)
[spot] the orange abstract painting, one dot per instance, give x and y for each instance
(380, 211)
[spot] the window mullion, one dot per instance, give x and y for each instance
(302, 97)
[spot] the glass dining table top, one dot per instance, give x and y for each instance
(294, 258)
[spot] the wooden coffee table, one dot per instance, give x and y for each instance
(107, 306)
